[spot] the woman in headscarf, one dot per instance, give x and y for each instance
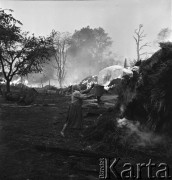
(74, 118)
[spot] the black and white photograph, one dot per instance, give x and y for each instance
(85, 89)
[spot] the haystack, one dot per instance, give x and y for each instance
(107, 74)
(150, 94)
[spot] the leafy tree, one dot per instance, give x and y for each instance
(20, 53)
(90, 44)
(61, 43)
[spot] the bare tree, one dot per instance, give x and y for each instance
(61, 44)
(139, 36)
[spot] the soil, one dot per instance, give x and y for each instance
(32, 148)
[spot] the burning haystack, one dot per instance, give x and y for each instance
(88, 81)
(148, 97)
(110, 73)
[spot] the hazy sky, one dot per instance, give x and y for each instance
(119, 18)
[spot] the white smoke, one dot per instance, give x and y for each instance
(165, 35)
(142, 137)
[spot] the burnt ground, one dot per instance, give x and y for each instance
(31, 146)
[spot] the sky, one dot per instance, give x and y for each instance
(119, 18)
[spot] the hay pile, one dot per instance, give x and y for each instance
(148, 97)
(87, 82)
(105, 136)
(145, 101)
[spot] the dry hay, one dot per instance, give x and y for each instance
(149, 97)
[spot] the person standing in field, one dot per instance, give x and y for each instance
(75, 118)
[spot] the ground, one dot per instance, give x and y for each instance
(32, 148)
(25, 134)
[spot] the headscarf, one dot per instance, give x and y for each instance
(75, 95)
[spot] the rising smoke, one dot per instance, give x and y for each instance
(164, 35)
(140, 136)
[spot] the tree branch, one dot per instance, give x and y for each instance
(144, 45)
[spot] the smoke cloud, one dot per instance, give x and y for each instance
(140, 137)
(164, 35)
